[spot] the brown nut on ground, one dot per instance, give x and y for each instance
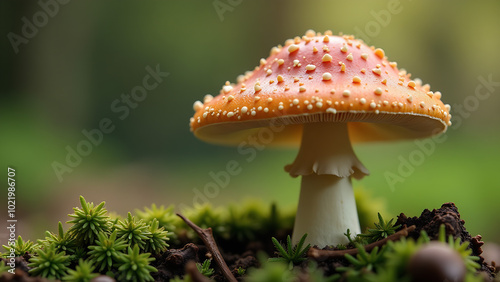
(437, 262)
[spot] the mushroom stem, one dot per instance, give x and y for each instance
(326, 163)
(326, 209)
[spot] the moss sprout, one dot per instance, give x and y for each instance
(206, 216)
(382, 230)
(291, 254)
(21, 247)
(84, 272)
(205, 269)
(135, 266)
(133, 231)
(89, 221)
(3, 267)
(462, 248)
(276, 271)
(62, 241)
(157, 241)
(49, 263)
(107, 251)
(166, 216)
(365, 260)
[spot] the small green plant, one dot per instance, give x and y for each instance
(205, 268)
(20, 247)
(280, 271)
(49, 263)
(166, 216)
(382, 230)
(135, 266)
(313, 274)
(471, 262)
(62, 241)
(292, 254)
(89, 221)
(363, 260)
(399, 255)
(80, 252)
(132, 231)
(463, 249)
(83, 272)
(157, 241)
(341, 247)
(357, 239)
(108, 250)
(241, 271)
(3, 267)
(270, 272)
(206, 216)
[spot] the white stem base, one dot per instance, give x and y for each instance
(326, 210)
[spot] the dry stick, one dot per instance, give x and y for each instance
(207, 238)
(318, 254)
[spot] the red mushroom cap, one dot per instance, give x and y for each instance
(320, 78)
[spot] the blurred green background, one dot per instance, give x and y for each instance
(83, 55)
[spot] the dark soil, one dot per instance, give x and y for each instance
(449, 216)
(173, 262)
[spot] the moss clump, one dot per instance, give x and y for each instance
(20, 247)
(127, 248)
(88, 222)
(97, 243)
(135, 266)
(106, 251)
(49, 263)
(84, 272)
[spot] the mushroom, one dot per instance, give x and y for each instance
(323, 92)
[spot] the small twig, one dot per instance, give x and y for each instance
(318, 254)
(193, 272)
(209, 241)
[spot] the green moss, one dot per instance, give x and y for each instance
(271, 272)
(84, 272)
(49, 263)
(62, 241)
(135, 266)
(107, 251)
(204, 268)
(157, 238)
(89, 221)
(462, 248)
(290, 254)
(132, 231)
(122, 247)
(206, 216)
(3, 267)
(20, 247)
(166, 216)
(381, 231)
